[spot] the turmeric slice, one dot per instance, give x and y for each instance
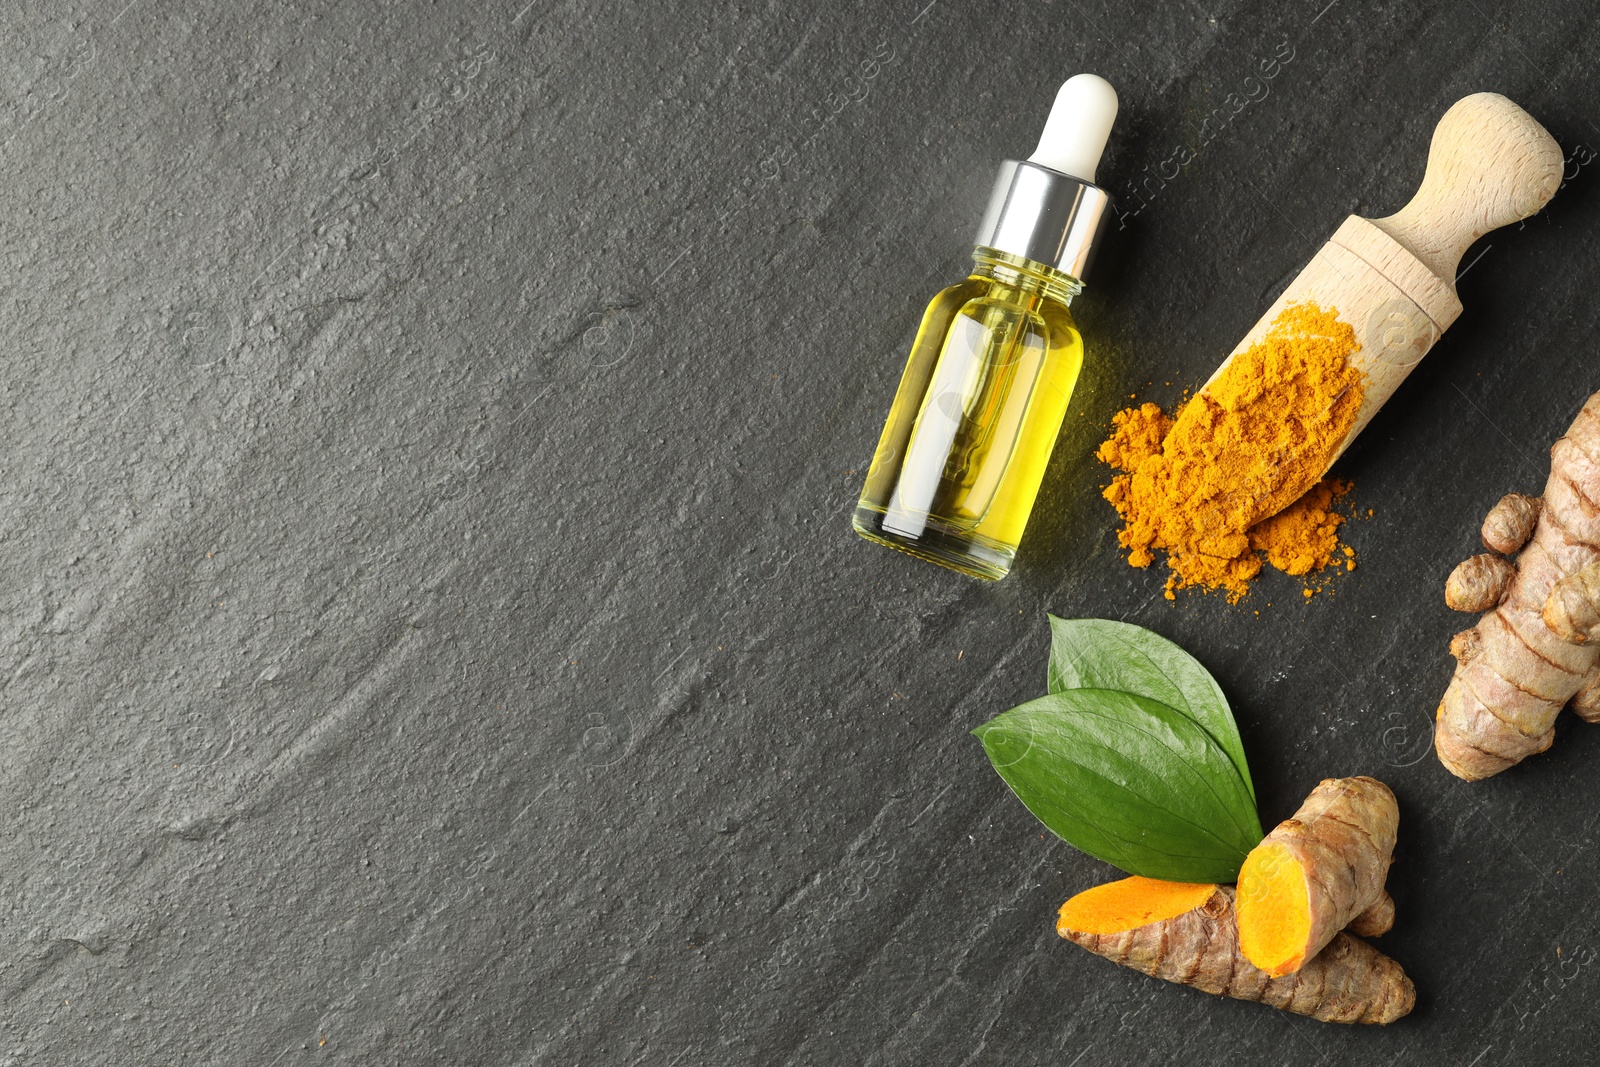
(1349, 981)
(1317, 873)
(1132, 902)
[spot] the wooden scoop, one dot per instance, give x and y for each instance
(1393, 279)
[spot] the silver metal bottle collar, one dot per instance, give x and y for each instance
(1046, 216)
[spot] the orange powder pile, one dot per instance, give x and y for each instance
(1235, 477)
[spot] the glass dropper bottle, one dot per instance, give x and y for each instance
(995, 360)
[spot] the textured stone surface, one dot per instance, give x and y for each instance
(433, 632)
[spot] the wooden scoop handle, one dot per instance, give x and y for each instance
(1393, 279)
(1490, 164)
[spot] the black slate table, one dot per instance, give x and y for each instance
(433, 631)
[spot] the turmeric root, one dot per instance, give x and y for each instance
(1572, 610)
(1514, 672)
(1509, 523)
(1585, 702)
(1317, 873)
(1479, 583)
(1377, 920)
(1187, 934)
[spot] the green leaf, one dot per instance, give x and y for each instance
(1129, 780)
(1105, 654)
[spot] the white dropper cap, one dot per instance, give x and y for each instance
(1080, 122)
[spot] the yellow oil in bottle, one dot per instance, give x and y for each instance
(996, 358)
(976, 416)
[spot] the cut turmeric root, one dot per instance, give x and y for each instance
(1531, 654)
(1187, 933)
(1319, 872)
(1281, 938)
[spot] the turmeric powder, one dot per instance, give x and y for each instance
(1237, 475)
